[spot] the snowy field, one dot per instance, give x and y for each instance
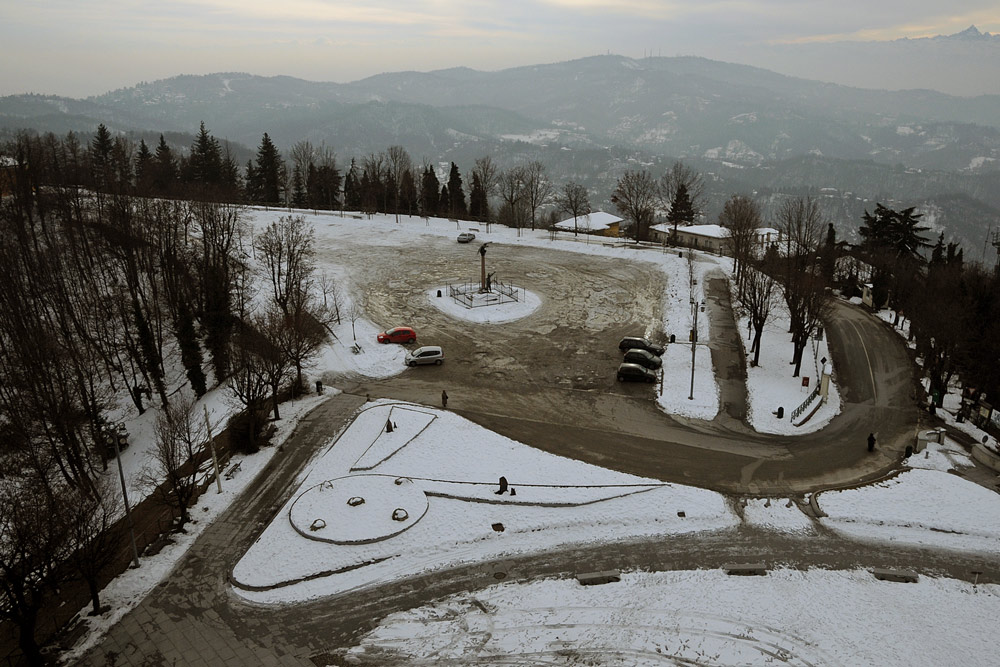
(448, 471)
(443, 472)
(704, 617)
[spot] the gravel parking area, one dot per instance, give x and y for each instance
(569, 342)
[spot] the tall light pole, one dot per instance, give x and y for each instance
(695, 307)
(128, 510)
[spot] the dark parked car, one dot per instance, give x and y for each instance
(397, 335)
(643, 358)
(635, 373)
(636, 343)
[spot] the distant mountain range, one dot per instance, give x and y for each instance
(750, 129)
(965, 63)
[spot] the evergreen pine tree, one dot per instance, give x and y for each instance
(100, 158)
(205, 164)
(251, 183)
(230, 174)
(830, 253)
(478, 201)
(352, 188)
(269, 167)
(187, 341)
(164, 170)
(323, 186)
(456, 195)
(429, 192)
(681, 210)
(144, 169)
(299, 199)
(408, 194)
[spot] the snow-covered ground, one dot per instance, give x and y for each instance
(701, 617)
(443, 471)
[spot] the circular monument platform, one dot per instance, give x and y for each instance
(358, 509)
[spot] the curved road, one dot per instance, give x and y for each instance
(545, 381)
(548, 380)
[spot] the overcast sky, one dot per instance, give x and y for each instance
(78, 48)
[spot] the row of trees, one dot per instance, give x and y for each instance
(953, 307)
(103, 295)
(385, 182)
(640, 196)
(759, 273)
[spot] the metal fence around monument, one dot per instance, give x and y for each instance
(500, 292)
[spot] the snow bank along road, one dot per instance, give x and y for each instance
(548, 380)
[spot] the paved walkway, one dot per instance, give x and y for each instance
(193, 618)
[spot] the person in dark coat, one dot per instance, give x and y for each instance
(444, 399)
(871, 442)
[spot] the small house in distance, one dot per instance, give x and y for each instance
(711, 238)
(596, 222)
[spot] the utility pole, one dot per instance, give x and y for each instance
(211, 445)
(128, 509)
(695, 307)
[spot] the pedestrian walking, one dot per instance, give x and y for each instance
(444, 399)
(871, 442)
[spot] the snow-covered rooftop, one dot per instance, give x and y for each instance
(593, 222)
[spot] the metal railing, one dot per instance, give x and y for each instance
(805, 404)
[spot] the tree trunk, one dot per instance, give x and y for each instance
(297, 389)
(95, 596)
(26, 639)
(274, 401)
(756, 345)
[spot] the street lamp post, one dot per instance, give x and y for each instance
(128, 510)
(695, 307)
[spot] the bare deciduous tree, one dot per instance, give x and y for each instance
(180, 439)
(95, 534)
(538, 188)
(248, 383)
(681, 174)
(635, 198)
(33, 540)
(801, 223)
(398, 161)
(488, 172)
(573, 199)
(741, 217)
(755, 295)
(510, 186)
(275, 336)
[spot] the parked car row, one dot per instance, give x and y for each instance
(640, 361)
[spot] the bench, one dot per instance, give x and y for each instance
(898, 576)
(594, 578)
(745, 569)
(233, 469)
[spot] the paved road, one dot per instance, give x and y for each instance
(546, 381)
(193, 618)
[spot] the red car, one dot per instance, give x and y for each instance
(398, 335)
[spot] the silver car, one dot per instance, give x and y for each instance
(428, 354)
